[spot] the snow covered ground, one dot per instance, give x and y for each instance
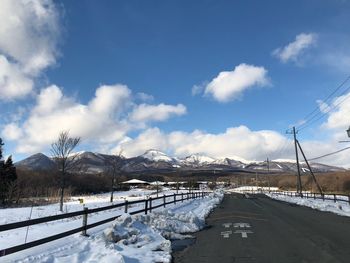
(340, 208)
(138, 238)
(244, 189)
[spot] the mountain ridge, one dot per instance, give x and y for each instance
(154, 160)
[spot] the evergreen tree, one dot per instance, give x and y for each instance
(2, 175)
(8, 174)
(1, 144)
(10, 169)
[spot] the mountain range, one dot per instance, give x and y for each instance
(157, 161)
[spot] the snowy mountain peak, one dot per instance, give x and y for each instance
(155, 155)
(198, 159)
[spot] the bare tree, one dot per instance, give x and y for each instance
(62, 153)
(114, 163)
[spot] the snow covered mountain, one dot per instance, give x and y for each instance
(197, 160)
(157, 156)
(157, 161)
(37, 161)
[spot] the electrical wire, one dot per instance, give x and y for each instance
(329, 96)
(316, 112)
(302, 127)
(329, 154)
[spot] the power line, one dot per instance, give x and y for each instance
(316, 112)
(329, 96)
(303, 126)
(329, 154)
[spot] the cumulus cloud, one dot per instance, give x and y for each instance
(146, 113)
(338, 118)
(229, 85)
(29, 32)
(104, 120)
(236, 141)
(12, 132)
(293, 50)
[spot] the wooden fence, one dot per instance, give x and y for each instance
(148, 207)
(329, 197)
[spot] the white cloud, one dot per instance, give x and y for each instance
(229, 85)
(293, 50)
(339, 118)
(102, 121)
(13, 83)
(145, 113)
(12, 132)
(144, 96)
(28, 44)
(198, 89)
(236, 141)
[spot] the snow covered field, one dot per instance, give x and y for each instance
(249, 189)
(138, 238)
(340, 208)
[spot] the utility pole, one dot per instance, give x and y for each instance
(310, 169)
(268, 172)
(299, 186)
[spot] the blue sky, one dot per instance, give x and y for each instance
(164, 49)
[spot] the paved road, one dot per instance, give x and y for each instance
(272, 231)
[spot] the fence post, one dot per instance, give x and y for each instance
(174, 198)
(150, 204)
(349, 199)
(164, 200)
(322, 196)
(146, 206)
(126, 206)
(314, 196)
(335, 198)
(83, 233)
(182, 197)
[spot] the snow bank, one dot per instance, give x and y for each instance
(137, 238)
(340, 208)
(145, 238)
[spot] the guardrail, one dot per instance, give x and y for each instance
(329, 197)
(148, 207)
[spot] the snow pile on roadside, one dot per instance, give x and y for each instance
(137, 238)
(144, 238)
(340, 208)
(181, 220)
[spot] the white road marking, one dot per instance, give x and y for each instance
(227, 225)
(226, 234)
(243, 233)
(241, 225)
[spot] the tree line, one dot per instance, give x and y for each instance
(66, 178)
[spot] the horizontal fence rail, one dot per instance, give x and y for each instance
(83, 229)
(306, 195)
(324, 197)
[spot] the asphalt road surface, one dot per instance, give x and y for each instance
(249, 230)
